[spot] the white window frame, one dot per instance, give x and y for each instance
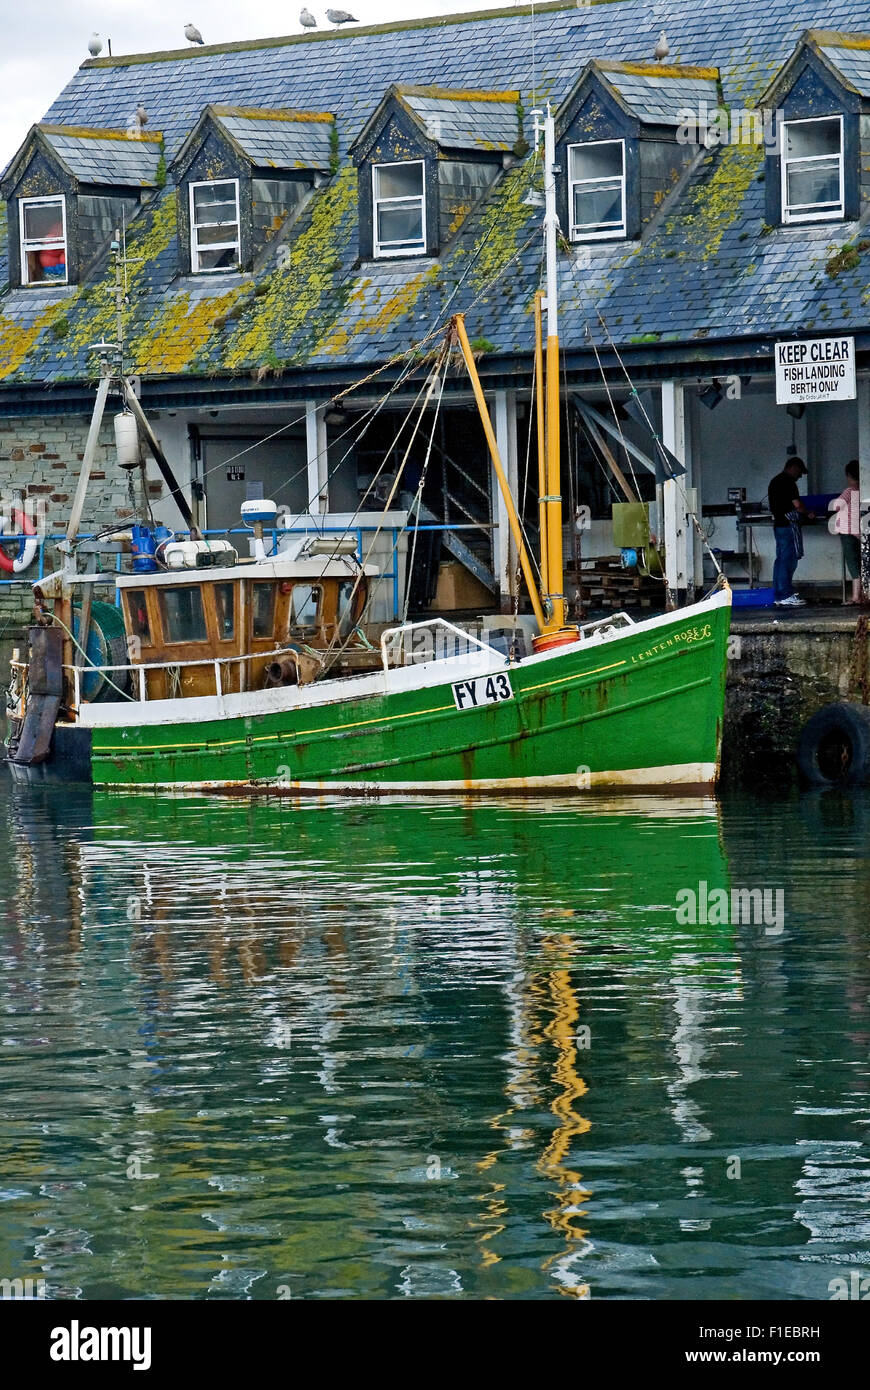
(196, 249)
(388, 249)
(803, 212)
(29, 244)
(610, 233)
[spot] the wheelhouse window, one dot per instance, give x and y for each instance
(596, 190)
(264, 610)
(182, 615)
(43, 240)
(812, 170)
(306, 605)
(224, 602)
(399, 205)
(138, 625)
(214, 225)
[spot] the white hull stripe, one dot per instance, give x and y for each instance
(671, 775)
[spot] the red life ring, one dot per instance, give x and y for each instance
(26, 548)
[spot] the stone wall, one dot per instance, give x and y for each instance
(40, 460)
(779, 674)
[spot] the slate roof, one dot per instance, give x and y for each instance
(852, 61)
(112, 158)
(471, 121)
(278, 139)
(656, 95)
(707, 273)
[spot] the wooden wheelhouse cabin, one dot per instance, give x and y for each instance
(264, 624)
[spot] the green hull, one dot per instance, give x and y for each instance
(643, 709)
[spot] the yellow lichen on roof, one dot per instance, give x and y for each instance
(659, 70)
(17, 339)
(399, 303)
(716, 202)
(448, 94)
(256, 113)
(80, 132)
(179, 332)
(505, 216)
(832, 38)
(148, 236)
(298, 295)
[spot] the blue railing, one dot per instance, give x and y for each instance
(36, 571)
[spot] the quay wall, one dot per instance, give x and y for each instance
(780, 672)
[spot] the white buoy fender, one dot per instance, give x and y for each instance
(127, 440)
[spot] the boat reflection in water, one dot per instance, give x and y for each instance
(352, 1049)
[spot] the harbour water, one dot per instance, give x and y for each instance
(514, 1049)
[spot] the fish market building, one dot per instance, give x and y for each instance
(300, 215)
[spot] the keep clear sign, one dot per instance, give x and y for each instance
(817, 369)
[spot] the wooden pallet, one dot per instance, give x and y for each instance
(608, 585)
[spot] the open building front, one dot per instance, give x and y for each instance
(300, 215)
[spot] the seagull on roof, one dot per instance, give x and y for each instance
(339, 17)
(662, 48)
(192, 34)
(307, 20)
(141, 115)
(95, 45)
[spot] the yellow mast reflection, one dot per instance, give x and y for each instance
(562, 1031)
(551, 993)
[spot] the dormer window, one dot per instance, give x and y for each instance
(214, 226)
(812, 170)
(399, 201)
(596, 179)
(42, 223)
(426, 156)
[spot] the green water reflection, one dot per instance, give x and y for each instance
(347, 1050)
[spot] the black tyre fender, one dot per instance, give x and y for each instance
(834, 746)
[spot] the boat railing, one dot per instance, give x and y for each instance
(601, 625)
(389, 582)
(391, 635)
(142, 667)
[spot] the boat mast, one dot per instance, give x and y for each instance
(541, 422)
(553, 569)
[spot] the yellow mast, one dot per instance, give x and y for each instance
(510, 507)
(553, 496)
(550, 614)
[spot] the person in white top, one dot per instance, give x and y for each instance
(846, 523)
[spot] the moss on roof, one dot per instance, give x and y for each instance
(256, 113)
(77, 132)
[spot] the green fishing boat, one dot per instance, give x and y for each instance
(217, 673)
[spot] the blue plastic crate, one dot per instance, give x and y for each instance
(752, 598)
